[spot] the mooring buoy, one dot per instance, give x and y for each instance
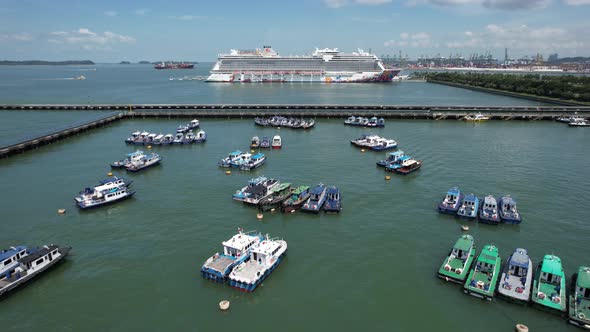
(259, 216)
(61, 211)
(465, 228)
(224, 305)
(522, 328)
(387, 177)
(228, 172)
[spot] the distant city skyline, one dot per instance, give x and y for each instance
(113, 31)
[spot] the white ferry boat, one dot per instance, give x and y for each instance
(9, 259)
(90, 198)
(323, 65)
(235, 251)
(264, 258)
(143, 162)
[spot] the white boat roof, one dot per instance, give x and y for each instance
(267, 246)
(152, 135)
(145, 133)
(159, 136)
(276, 137)
(136, 133)
(239, 241)
(408, 162)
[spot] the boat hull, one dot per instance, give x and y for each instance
(250, 287)
(134, 169)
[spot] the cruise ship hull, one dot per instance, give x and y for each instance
(386, 75)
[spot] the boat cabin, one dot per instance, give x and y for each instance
(255, 141)
(551, 270)
(265, 251)
(452, 196)
(317, 192)
(519, 263)
(257, 157)
(333, 194)
(239, 244)
(301, 190)
(39, 258)
(9, 257)
(583, 283)
(486, 261)
(462, 247)
(276, 141)
(158, 139)
(395, 156)
(508, 204)
(490, 203)
(194, 123)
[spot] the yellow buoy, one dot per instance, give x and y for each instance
(272, 210)
(465, 228)
(252, 151)
(224, 305)
(109, 174)
(228, 172)
(61, 211)
(522, 328)
(259, 216)
(387, 177)
(149, 146)
(362, 150)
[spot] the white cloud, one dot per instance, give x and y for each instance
(188, 17)
(491, 4)
(342, 3)
(21, 36)
(142, 11)
(404, 35)
(419, 39)
(110, 13)
(89, 39)
(577, 2)
(468, 33)
(371, 2)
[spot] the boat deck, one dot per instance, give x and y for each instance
(551, 290)
(250, 271)
(514, 287)
(220, 264)
(582, 306)
(5, 282)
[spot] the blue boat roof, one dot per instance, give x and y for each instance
(402, 158)
(520, 258)
(471, 197)
(332, 190)
(134, 153)
(453, 191)
(508, 200)
(317, 190)
(111, 179)
(258, 179)
(10, 252)
(258, 155)
(235, 153)
(396, 153)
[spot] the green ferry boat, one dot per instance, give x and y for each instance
(456, 266)
(549, 284)
(483, 277)
(580, 298)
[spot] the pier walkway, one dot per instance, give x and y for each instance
(114, 112)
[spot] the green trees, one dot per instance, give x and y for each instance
(564, 87)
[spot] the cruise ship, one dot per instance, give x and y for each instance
(324, 66)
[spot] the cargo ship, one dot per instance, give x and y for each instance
(173, 65)
(322, 66)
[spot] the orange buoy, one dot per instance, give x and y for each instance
(109, 174)
(387, 177)
(228, 172)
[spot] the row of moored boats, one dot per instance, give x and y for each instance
(184, 135)
(574, 121)
(488, 210)
(265, 142)
(248, 258)
(359, 121)
(281, 121)
(271, 194)
(518, 281)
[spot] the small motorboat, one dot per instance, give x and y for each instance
(141, 138)
(450, 203)
(193, 124)
(316, 199)
(168, 139)
(476, 117)
(200, 137)
(188, 137)
(508, 211)
(333, 200)
(149, 139)
(255, 142)
(255, 161)
(276, 142)
(134, 156)
(298, 197)
(350, 121)
(384, 144)
(489, 214)
(409, 166)
(178, 138)
(265, 142)
(469, 207)
(182, 129)
(131, 139)
(158, 139)
(392, 157)
(227, 161)
(242, 159)
(578, 122)
(143, 162)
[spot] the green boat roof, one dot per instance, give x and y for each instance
(552, 264)
(583, 277)
(489, 254)
(465, 242)
(281, 187)
(300, 189)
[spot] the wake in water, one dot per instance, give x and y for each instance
(81, 77)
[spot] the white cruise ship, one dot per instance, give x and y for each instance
(324, 66)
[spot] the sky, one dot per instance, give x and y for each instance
(114, 31)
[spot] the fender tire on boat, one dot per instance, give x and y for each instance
(522, 328)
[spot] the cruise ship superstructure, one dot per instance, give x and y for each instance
(324, 65)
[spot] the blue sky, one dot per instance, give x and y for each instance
(112, 31)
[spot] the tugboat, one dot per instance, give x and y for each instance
(255, 143)
(409, 166)
(316, 199)
(32, 265)
(256, 161)
(200, 137)
(143, 162)
(178, 138)
(264, 258)
(235, 251)
(549, 284)
(392, 157)
(488, 214)
(450, 203)
(508, 212)
(469, 207)
(298, 197)
(276, 142)
(226, 162)
(483, 277)
(517, 277)
(132, 138)
(277, 195)
(333, 200)
(241, 194)
(456, 266)
(579, 309)
(131, 157)
(9, 259)
(265, 142)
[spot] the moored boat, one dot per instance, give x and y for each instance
(277, 195)
(391, 167)
(517, 277)
(168, 139)
(255, 142)
(350, 121)
(143, 162)
(188, 138)
(578, 122)
(489, 212)
(200, 137)
(476, 117)
(141, 138)
(264, 258)
(376, 123)
(316, 199)
(149, 139)
(483, 277)
(469, 206)
(240, 194)
(226, 162)
(384, 144)
(9, 259)
(235, 251)
(128, 159)
(409, 166)
(182, 128)
(241, 160)
(456, 266)
(579, 301)
(133, 137)
(32, 265)
(333, 200)
(255, 161)
(451, 202)
(193, 124)
(549, 290)
(276, 142)
(298, 197)
(508, 212)
(90, 198)
(178, 138)
(261, 191)
(265, 142)
(392, 157)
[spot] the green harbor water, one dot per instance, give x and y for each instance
(135, 265)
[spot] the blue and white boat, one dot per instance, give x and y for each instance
(392, 157)
(264, 258)
(9, 259)
(227, 161)
(265, 142)
(317, 198)
(131, 139)
(178, 138)
(235, 251)
(333, 200)
(90, 198)
(384, 144)
(376, 123)
(193, 124)
(350, 121)
(141, 138)
(398, 163)
(130, 157)
(256, 161)
(168, 139)
(182, 129)
(243, 159)
(143, 162)
(241, 194)
(469, 207)
(200, 137)
(489, 212)
(158, 139)
(451, 202)
(149, 139)
(517, 277)
(188, 137)
(508, 212)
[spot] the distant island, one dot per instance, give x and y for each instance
(125, 62)
(144, 62)
(45, 63)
